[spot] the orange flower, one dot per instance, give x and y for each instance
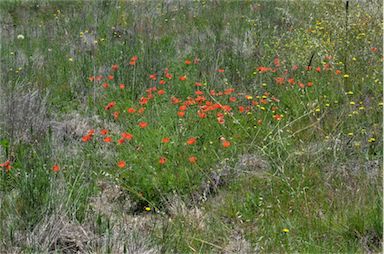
(191, 141)
(183, 78)
(338, 72)
(161, 92)
(168, 75)
(107, 139)
(232, 99)
(55, 168)
(141, 110)
(183, 108)
(241, 109)
(6, 165)
(309, 84)
(143, 124)
(115, 67)
(104, 132)
(198, 92)
(201, 114)
(121, 164)
(110, 77)
(86, 138)
(181, 113)
(162, 160)
(105, 85)
(220, 120)
(220, 70)
(152, 76)
(143, 100)
(188, 62)
(127, 136)
(131, 110)
(192, 159)
(198, 84)
(122, 86)
(116, 115)
(165, 140)
(162, 82)
(279, 80)
(226, 143)
(278, 117)
(121, 141)
(110, 105)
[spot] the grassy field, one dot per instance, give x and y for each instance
(191, 126)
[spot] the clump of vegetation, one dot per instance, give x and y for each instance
(229, 127)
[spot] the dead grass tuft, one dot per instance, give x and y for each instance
(57, 233)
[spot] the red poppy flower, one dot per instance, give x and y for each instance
(56, 168)
(143, 101)
(165, 140)
(143, 125)
(220, 120)
(6, 165)
(110, 105)
(141, 110)
(279, 80)
(152, 76)
(120, 141)
(107, 139)
(183, 78)
(291, 81)
(115, 67)
(162, 82)
(161, 92)
(181, 113)
(121, 164)
(127, 136)
(192, 159)
(309, 84)
(220, 70)
(122, 86)
(198, 84)
(191, 141)
(131, 110)
(226, 143)
(201, 114)
(116, 115)
(86, 138)
(105, 85)
(198, 92)
(110, 77)
(168, 75)
(277, 117)
(162, 160)
(104, 132)
(188, 62)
